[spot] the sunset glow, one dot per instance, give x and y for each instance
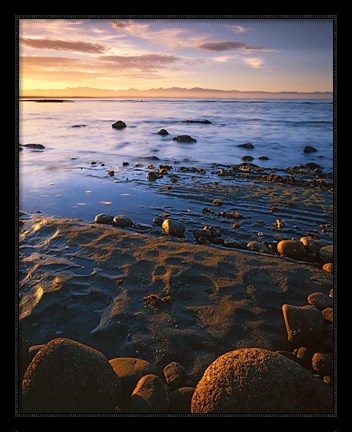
(271, 55)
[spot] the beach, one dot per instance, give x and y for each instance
(193, 267)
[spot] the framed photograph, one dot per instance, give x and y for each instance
(176, 216)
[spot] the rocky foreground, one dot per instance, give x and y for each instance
(118, 322)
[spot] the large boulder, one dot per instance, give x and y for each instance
(180, 400)
(255, 380)
(66, 376)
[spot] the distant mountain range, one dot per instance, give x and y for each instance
(173, 92)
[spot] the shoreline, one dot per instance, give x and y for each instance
(91, 281)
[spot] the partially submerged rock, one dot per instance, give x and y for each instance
(163, 132)
(119, 125)
(184, 139)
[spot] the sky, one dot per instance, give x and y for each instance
(271, 55)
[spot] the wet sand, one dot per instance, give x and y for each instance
(154, 297)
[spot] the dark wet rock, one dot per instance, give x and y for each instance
(312, 166)
(152, 176)
(180, 400)
(172, 227)
(326, 254)
(93, 163)
(212, 231)
(119, 125)
(309, 149)
(111, 172)
(319, 300)
(323, 363)
(328, 314)
(291, 249)
(198, 121)
(184, 139)
(34, 349)
(328, 267)
(246, 145)
(232, 243)
(122, 221)
(130, 370)
(174, 374)
(263, 158)
(304, 324)
(154, 158)
(305, 355)
(236, 382)
(66, 376)
(79, 125)
(125, 163)
(257, 246)
(201, 236)
(149, 396)
(247, 158)
(158, 220)
(34, 146)
(163, 132)
(103, 218)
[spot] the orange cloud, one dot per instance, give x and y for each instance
(63, 45)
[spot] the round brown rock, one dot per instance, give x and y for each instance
(150, 396)
(130, 370)
(291, 249)
(122, 221)
(180, 400)
(174, 228)
(103, 218)
(326, 254)
(328, 314)
(255, 380)
(304, 324)
(328, 267)
(323, 363)
(66, 376)
(305, 357)
(320, 300)
(257, 246)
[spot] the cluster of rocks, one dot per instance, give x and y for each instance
(307, 248)
(246, 380)
(310, 329)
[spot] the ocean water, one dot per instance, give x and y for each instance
(69, 177)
